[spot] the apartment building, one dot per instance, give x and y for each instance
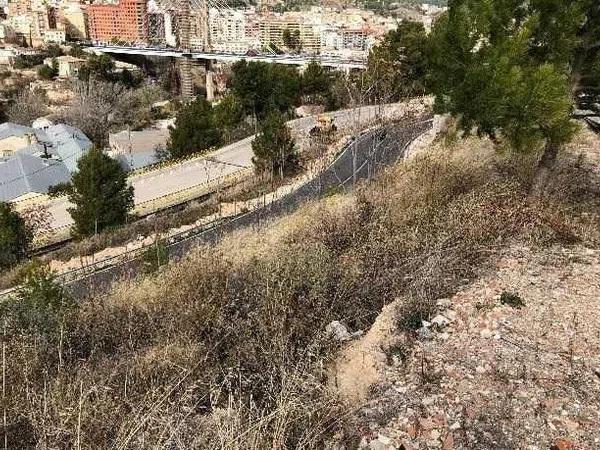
(354, 38)
(271, 30)
(28, 21)
(124, 21)
(233, 30)
(56, 36)
(75, 21)
(19, 7)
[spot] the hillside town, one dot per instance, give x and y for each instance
(318, 30)
(39, 43)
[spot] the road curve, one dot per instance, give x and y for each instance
(361, 159)
(225, 161)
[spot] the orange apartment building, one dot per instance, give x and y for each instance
(124, 21)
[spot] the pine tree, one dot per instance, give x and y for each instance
(229, 114)
(195, 129)
(508, 69)
(100, 193)
(274, 148)
(262, 87)
(15, 237)
(317, 83)
(397, 67)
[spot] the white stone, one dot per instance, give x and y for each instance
(424, 333)
(444, 303)
(384, 439)
(338, 331)
(440, 321)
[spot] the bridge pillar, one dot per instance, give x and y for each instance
(210, 80)
(185, 73)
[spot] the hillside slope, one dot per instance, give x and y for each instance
(510, 361)
(230, 347)
(491, 375)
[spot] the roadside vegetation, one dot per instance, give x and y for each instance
(274, 148)
(15, 238)
(30, 61)
(257, 93)
(100, 193)
(229, 348)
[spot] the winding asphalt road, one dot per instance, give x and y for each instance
(225, 161)
(362, 158)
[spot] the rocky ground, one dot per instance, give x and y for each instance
(493, 370)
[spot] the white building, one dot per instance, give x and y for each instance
(55, 36)
(137, 149)
(68, 66)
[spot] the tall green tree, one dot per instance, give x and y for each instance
(15, 237)
(508, 68)
(195, 129)
(397, 67)
(316, 83)
(228, 115)
(274, 148)
(100, 194)
(262, 87)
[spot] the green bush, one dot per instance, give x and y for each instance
(41, 305)
(512, 299)
(155, 256)
(46, 72)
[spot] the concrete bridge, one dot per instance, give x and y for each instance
(188, 57)
(291, 60)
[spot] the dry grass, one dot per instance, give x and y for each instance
(227, 349)
(158, 223)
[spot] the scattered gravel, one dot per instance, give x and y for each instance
(494, 376)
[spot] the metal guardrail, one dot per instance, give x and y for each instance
(362, 165)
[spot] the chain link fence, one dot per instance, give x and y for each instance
(360, 159)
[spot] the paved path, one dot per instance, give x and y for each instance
(225, 161)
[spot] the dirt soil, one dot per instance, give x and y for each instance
(493, 375)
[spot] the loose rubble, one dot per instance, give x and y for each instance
(483, 375)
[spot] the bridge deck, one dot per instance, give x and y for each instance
(295, 60)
